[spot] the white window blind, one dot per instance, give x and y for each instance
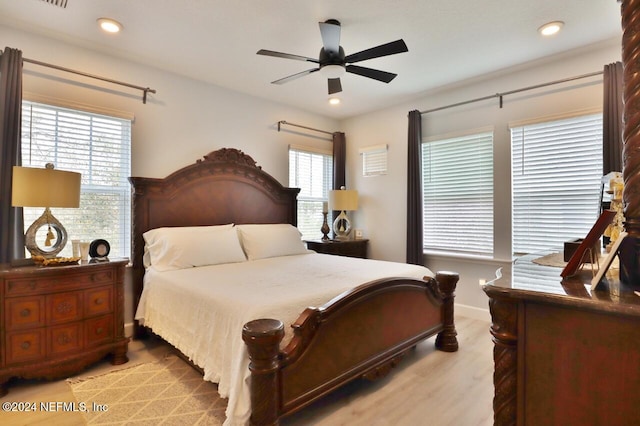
(98, 147)
(311, 171)
(374, 160)
(556, 174)
(457, 183)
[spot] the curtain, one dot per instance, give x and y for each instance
(414, 190)
(339, 159)
(612, 119)
(11, 223)
(339, 165)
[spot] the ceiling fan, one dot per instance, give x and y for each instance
(333, 62)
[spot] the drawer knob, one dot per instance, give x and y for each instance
(99, 301)
(25, 312)
(25, 345)
(99, 330)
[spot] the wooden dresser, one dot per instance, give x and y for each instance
(564, 355)
(55, 321)
(349, 248)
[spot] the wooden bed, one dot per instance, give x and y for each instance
(326, 350)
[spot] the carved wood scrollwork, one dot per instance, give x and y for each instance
(630, 249)
(504, 314)
(231, 155)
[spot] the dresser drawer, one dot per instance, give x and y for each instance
(25, 346)
(25, 312)
(65, 338)
(98, 301)
(99, 330)
(57, 282)
(64, 307)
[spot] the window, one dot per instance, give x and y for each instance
(310, 170)
(98, 147)
(555, 176)
(457, 185)
(374, 160)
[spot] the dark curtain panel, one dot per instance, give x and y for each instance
(414, 190)
(11, 222)
(612, 119)
(339, 165)
(339, 159)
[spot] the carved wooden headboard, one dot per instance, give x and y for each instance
(226, 186)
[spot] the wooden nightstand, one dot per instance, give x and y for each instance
(54, 321)
(350, 248)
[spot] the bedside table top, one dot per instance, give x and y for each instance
(362, 240)
(8, 268)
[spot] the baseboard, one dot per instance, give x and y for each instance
(472, 312)
(128, 329)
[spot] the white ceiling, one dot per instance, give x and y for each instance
(217, 40)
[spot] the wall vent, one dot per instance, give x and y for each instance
(60, 3)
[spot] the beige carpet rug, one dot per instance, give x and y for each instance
(167, 392)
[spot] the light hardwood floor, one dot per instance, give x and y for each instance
(428, 388)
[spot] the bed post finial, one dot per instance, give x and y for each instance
(446, 340)
(263, 339)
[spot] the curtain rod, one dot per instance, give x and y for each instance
(145, 90)
(303, 127)
(511, 92)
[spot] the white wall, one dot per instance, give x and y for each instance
(382, 212)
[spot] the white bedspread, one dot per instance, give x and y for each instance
(201, 310)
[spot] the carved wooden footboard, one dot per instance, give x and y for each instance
(361, 333)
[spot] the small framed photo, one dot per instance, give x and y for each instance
(589, 241)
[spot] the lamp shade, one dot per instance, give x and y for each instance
(343, 199)
(33, 187)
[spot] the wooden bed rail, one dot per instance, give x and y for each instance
(359, 334)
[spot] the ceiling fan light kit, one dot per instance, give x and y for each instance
(333, 63)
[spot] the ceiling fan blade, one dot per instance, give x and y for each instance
(391, 48)
(294, 76)
(371, 73)
(330, 31)
(285, 55)
(334, 85)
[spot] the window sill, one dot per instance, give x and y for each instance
(466, 257)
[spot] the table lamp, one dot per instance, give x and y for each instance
(343, 200)
(33, 187)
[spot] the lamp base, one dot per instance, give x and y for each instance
(53, 225)
(342, 226)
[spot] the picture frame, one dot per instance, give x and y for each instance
(606, 262)
(594, 235)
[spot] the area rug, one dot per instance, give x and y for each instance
(167, 392)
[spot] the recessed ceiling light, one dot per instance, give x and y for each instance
(334, 101)
(550, 28)
(110, 25)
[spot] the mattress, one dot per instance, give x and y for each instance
(201, 310)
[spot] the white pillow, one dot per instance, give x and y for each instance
(179, 248)
(271, 240)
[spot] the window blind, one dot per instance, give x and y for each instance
(312, 171)
(556, 175)
(374, 160)
(457, 179)
(98, 147)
